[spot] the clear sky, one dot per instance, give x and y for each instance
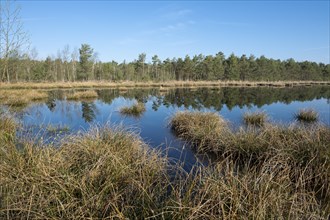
(120, 30)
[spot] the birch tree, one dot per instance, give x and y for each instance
(74, 58)
(13, 37)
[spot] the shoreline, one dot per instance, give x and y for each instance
(161, 85)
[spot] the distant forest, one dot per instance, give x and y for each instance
(83, 65)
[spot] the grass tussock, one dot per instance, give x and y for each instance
(200, 128)
(303, 151)
(89, 94)
(280, 173)
(135, 110)
(255, 118)
(219, 192)
(21, 97)
(8, 128)
(104, 174)
(306, 115)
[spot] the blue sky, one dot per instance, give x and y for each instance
(120, 30)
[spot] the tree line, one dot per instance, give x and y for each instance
(83, 65)
(19, 63)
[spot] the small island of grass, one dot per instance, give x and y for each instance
(306, 115)
(89, 94)
(135, 110)
(255, 118)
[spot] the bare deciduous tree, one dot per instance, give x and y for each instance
(74, 58)
(66, 60)
(13, 38)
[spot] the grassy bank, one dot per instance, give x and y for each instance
(21, 97)
(89, 94)
(162, 85)
(109, 173)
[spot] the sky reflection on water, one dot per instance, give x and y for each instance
(230, 103)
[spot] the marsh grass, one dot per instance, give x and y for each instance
(202, 129)
(211, 135)
(8, 128)
(135, 110)
(304, 151)
(131, 84)
(89, 94)
(255, 118)
(109, 173)
(219, 192)
(306, 115)
(21, 97)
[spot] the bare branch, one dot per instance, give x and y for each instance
(13, 38)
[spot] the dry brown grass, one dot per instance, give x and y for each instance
(306, 115)
(255, 118)
(220, 192)
(89, 94)
(200, 128)
(131, 84)
(135, 110)
(103, 174)
(21, 97)
(304, 151)
(8, 128)
(111, 174)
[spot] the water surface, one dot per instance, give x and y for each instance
(57, 116)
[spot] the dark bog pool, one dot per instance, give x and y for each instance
(54, 118)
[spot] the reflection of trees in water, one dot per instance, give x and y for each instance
(57, 94)
(218, 97)
(51, 104)
(156, 103)
(66, 108)
(231, 97)
(141, 95)
(53, 96)
(88, 111)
